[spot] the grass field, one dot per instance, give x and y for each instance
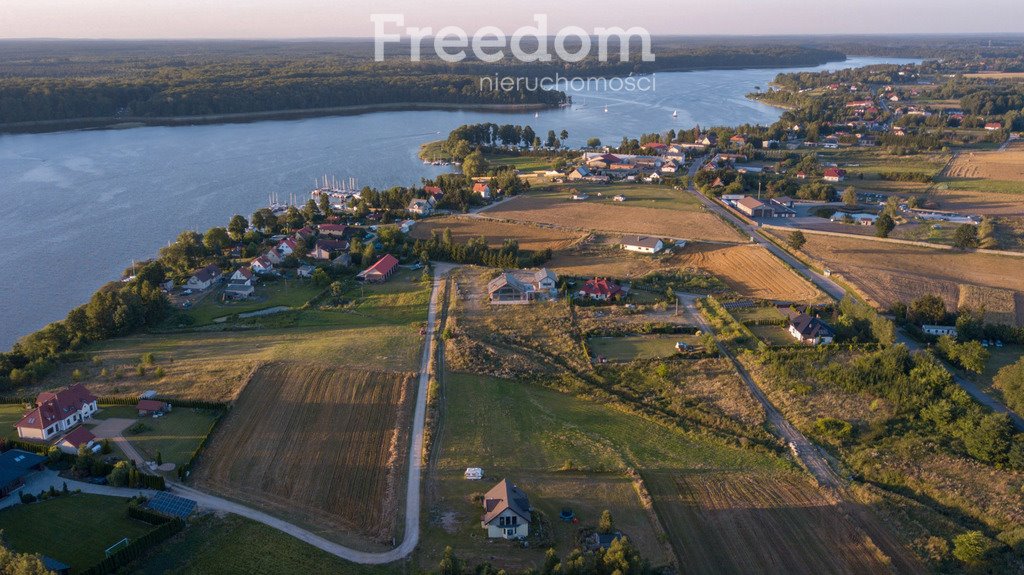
(319, 445)
(555, 208)
(629, 348)
(522, 163)
(750, 271)
(757, 313)
(887, 273)
(175, 436)
(379, 327)
(289, 293)
(233, 545)
(530, 237)
(9, 415)
(562, 451)
(74, 529)
(757, 523)
(637, 195)
(773, 334)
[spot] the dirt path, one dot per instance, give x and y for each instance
(813, 458)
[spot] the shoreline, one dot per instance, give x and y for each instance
(82, 124)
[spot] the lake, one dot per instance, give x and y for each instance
(79, 207)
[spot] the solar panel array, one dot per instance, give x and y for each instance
(171, 505)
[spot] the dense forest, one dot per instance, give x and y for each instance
(58, 80)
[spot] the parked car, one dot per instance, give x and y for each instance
(984, 343)
(999, 343)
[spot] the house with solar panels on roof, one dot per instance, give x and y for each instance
(506, 512)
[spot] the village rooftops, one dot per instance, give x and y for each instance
(505, 496)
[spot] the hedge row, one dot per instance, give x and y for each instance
(148, 515)
(132, 400)
(135, 549)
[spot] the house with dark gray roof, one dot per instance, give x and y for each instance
(523, 287)
(506, 512)
(810, 330)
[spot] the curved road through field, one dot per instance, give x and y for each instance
(412, 497)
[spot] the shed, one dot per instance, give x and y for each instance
(474, 473)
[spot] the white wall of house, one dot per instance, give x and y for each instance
(508, 525)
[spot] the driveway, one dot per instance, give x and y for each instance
(113, 429)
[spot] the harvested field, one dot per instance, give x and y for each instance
(887, 273)
(984, 202)
(623, 219)
(530, 237)
(1005, 165)
(758, 523)
(1000, 305)
(322, 446)
(750, 271)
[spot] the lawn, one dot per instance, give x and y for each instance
(629, 348)
(999, 357)
(773, 334)
(174, 436)
(74, 529)
(288, 293)
(234, 545)
(522, 163)
(636, 194)
(756, 313)
(562, 451)
(10, 413)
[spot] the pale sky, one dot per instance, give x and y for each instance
(338, 18)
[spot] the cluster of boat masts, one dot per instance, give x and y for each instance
(339, 190)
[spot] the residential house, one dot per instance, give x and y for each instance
(940, 330)
(57, 412)
(483, 190)
(380, 271)
(834, 175)
(332, 230)
(670, 167)
(810, 330)
(655, 147)
(420, 207)
(15, 465)
(435, 192)
(642, 244)
(523, 286)
(204, 278)
(327, 250)
(273, 256)
(262, 265)
(243, 275)
(150, 406)
(580, 173)
(601, 289)
(305, 271)
(75, 439)
(710, 139)
(738, 141)
(993, 126)
(239, 291)
(506, 512)
(305, 234)
(754, 208)
(287, 247)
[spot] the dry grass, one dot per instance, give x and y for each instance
(751, 272)
(1000, 305)
(758, 523)
(319, 445)
(985, 203)
(1004, 165)
(888, 273)
(996, 75)
(624, 219)
(530, 237)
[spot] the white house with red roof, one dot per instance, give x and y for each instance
(834, 175)
(262, 265)
(57, 412)
(380, 271)
(242, 275)
(287, 246)
(601, 289)
(483, 189)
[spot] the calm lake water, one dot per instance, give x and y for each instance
(78, 207)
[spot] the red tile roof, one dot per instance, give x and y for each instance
(55, 406)
(433, 190)
(383, 267)
(333, 228)
(601, 287)
(835, 173)
(79, 436)
(480, 187)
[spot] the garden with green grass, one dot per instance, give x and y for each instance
(175, 436)
(10, 413)
(563, 451)
(74, 529)
(269, 294)
(633, 347)
(635, 194)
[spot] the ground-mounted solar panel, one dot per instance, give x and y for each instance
(171, 505)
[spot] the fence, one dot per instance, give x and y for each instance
(135, 549)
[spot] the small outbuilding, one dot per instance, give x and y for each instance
(474, 473)
(15, 465)
(151, 406)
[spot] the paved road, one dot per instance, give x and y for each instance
(837, 292)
